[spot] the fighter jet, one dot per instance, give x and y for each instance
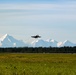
(37, 36)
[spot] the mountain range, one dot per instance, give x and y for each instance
(10, 41)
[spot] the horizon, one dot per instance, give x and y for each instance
(55, 19)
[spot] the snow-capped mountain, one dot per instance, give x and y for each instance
(44, 43)
(39, 43)
(68, 43)
(9, 41)
(52, 43)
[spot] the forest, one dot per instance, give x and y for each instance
(39, 50)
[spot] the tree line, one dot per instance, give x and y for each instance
(39, 50)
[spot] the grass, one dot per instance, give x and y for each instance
(37, 64)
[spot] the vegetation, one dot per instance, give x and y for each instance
(39, 50)
(37, 64)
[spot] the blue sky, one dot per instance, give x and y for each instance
(49, 18)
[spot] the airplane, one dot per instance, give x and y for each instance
(37, 36)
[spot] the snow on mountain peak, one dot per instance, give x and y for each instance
(39, 43)
(3, 37)
(48, 40)
(51, 40)
(66, 41)
(54, 41)
(9, 41)
(6, 35)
